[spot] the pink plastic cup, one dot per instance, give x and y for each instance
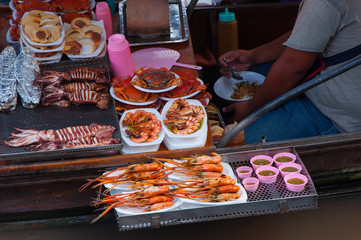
(244, 172)
(267, 174)
(289, 168)
(250, 184)
(120, 56)
(259, 161)
(295, 182)
(284, 157)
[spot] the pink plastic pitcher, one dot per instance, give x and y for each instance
(120, 56)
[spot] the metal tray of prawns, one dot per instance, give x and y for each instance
(268, 199)
(54, 117)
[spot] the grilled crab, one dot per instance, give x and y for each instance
(125, 91)
(153, 78)
(189, 86)
(71, 6)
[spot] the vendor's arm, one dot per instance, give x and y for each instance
(242, 60)
(286, 73)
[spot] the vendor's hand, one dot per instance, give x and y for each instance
(240, 60)
(240, 110)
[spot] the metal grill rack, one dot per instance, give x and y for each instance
(53, 117)
(268, 199)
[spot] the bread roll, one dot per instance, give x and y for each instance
(88, 46)
(39, 35)
(72, 47)
(217, 133)
(80, 22)
(92, 27)
(96, 37)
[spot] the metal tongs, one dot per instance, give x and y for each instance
(234, 74)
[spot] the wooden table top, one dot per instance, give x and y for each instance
(186, 56)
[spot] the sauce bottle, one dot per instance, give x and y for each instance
(102, 12)
(120, 56)
(227, 32)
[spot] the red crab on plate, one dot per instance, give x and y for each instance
(203, 96)
(71, 5)
(125, 91)
(190, 85)
(154, 78)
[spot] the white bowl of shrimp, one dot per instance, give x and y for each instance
(195, 123)
(140, 135)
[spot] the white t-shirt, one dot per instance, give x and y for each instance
(330, 27)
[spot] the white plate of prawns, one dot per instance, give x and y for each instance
(158, 207)
(220, 199)
(179, 176)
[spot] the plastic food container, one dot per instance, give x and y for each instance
(250, 184)
(244, 172)
(267, 174)
(284, 157)
(132, 147)
(185, 138)
(174, 144)
(197, 139)
(261, 160)
(289, 168)
(296, 182)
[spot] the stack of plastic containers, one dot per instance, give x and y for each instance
(44, 52)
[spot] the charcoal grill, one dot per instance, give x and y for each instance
(53, 117)
(268, 199)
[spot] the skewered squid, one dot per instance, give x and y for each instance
(44, 139)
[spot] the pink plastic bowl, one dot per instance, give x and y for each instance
(267, 179)
(250, 184)
(295, 187)
(247, 172)
(276, 158)
(258, 157)
(291, 164)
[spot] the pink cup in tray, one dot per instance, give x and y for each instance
(250, 184)
(259, 161)
(267, 174)
(295, 182)
(289, 168)
(244, 172)
(283, 157)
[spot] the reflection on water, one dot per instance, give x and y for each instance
(336, 218)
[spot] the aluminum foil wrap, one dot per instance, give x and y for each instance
(26, 71)
(8, 96)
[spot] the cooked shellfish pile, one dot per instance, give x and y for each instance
(41, 27)
(83, 37)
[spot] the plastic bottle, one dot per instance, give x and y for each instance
(227, 32)
(102, 12)
(120, 56)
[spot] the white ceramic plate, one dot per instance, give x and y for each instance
(123, 186)
(243, 198)
(187, 96)
(224, 86)
(138, 211)
(176, 176)
(155, 90)
(112, 93)
(8, 37)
